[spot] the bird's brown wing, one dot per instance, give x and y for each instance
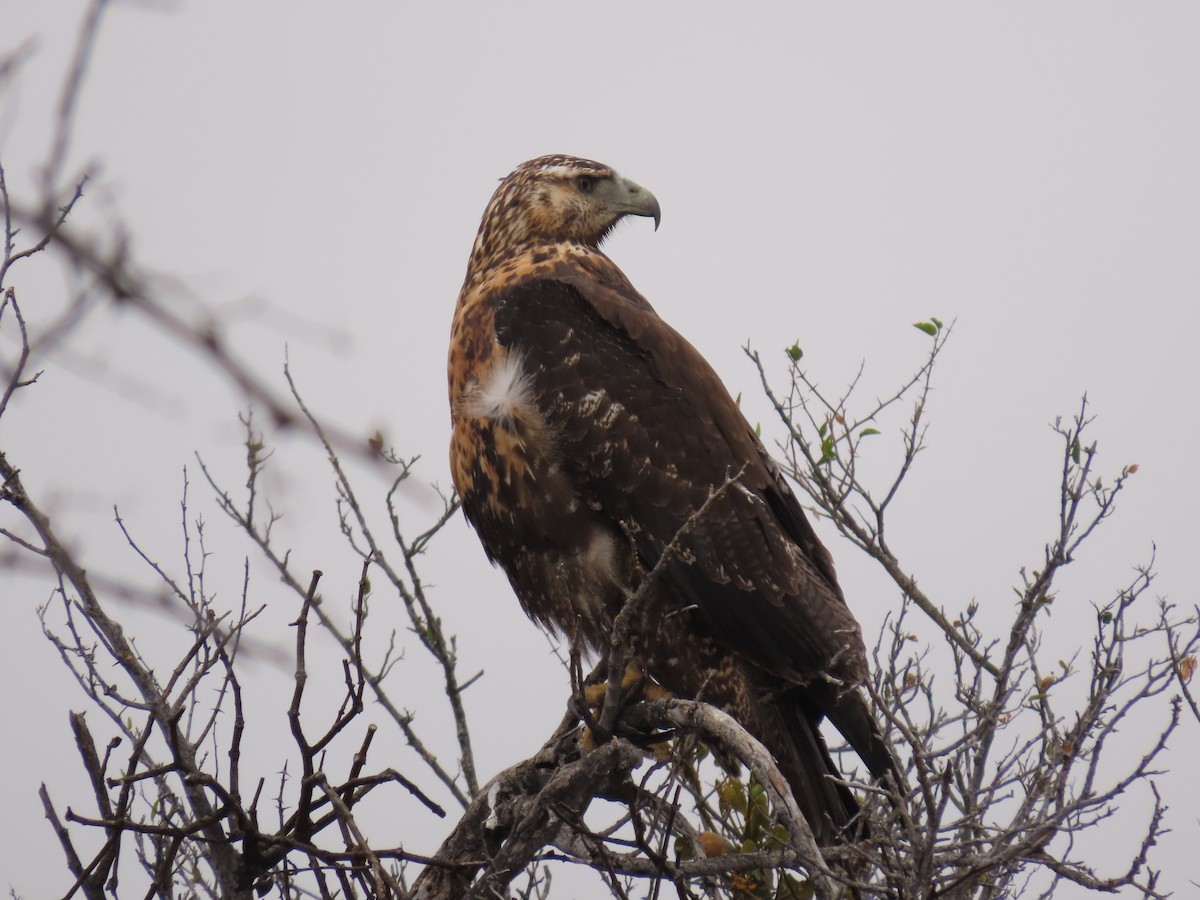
(647, 432)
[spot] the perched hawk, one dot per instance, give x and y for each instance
(587, 431)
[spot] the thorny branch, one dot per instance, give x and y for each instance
(1045, 776)
(210, 830)
(425, 624)
(620, 650)
(825, 468)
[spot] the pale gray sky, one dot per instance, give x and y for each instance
(313, 174)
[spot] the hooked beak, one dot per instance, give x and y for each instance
(629, 198)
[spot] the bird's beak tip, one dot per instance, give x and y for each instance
(652, 211)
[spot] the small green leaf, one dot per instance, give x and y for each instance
(1075, 451)
(867, 432)
(758, 429)
(822, 428)
(683, 848)
(777, 836)
(827, 451)
(928, 327)
(936, 321)
(731, 794)
(757, 816)
(794, 352)
(758, 796)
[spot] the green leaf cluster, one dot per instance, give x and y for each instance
(932, 328)
(745, 812)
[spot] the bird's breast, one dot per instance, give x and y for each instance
(566, 563)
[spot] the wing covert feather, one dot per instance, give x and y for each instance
(646, 430)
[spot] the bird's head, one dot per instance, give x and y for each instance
(555, 199)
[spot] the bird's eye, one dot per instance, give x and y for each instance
(585, 183)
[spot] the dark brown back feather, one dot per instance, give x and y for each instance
(646, 430)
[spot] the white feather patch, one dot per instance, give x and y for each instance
(504, 395)
(600, 557)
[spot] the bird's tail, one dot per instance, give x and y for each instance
(827, 804)
(851, 714)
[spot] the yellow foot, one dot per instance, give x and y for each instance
(635, 678)
(635, 685)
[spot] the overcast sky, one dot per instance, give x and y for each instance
(313, 174)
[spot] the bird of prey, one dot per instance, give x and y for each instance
(587, 433)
